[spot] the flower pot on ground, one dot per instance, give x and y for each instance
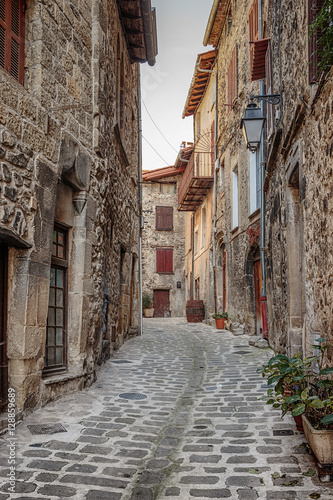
(320, 442)
(147, 304)
(220, 319)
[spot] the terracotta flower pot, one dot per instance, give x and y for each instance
(219, 323)
(320, 442)
(299, 423)
(149, 313)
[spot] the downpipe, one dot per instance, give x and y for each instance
(140, 197)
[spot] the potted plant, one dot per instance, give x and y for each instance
(147, 304)
(220, 319)
(307, 392)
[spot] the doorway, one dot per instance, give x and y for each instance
(257, 291)
(161, 304)
(3, 330)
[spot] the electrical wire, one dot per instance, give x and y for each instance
(171, 146)
(152, 147)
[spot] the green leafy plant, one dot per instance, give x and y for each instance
(223, 315)
(147, 300)
(324, 25)
(299, 388)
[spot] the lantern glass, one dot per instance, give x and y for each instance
(252, 125)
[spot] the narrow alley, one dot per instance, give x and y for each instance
(175, 414)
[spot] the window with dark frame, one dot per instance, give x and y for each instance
(314, 7)
(164, 260)
(12, 38)
(232, 80)
(55, 348)
(164, 218)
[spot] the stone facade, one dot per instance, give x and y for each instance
(160, 188)
(297, 163)
(69, 160)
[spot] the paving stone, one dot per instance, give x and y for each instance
(172, 492)
(132, 453)
(142, 494)
(150, 477)
(223, 493)
(235, 449)
(246, 459)
(93, 432)
(269, 450)
(21, 487)
(249, 481)
(93, 481)
(84, 468)
(92, 439)
(247, 494)
(96, 450)
(288, 481)
(52, 465)
(196, 447)
(37, 453)
(102, 495)
(119, 472)
(205, 459)
(215, 470)
(59, 491)
(279, 495)
(60, 445)
(199, 480)
(45, 477)
(158, 464)
(70, 456)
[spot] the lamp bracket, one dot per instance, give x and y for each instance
(273, 99)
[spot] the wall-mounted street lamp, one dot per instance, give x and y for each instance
(253, 121)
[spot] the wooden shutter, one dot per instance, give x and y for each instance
(232, 80)
(269, 90)
(12, 37)
(314, 7)
(164, 260)
(253, 22)
(212, 154)
(164, 218)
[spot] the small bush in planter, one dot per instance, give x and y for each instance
(147, 300)
(223, 315)
(300, 389)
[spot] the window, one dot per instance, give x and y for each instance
(164, 260)
(254, 182)
(235, 198)
(55, 348)
(12, 38)
(222, 177)
(232, 82)
(197, 289)
(196, 240)
(203, 227)
(314, 7)
(164, 218)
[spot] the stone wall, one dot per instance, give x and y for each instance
(163, 192)
(299, 192)
(76, 166)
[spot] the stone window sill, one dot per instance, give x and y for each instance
(60, 377)
(256, 212)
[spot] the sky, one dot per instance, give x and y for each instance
(181, 26)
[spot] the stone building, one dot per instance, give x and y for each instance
(163, 240)
(263, 47)
(196, 196)
(69, 199)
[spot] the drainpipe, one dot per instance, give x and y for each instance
(262, 202)
(216, 167)
(140, 197)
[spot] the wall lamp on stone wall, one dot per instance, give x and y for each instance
(253, 120)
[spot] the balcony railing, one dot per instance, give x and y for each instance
(195, 184)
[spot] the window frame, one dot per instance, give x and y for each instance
(235, 198)
(58, 263)
(10, 36)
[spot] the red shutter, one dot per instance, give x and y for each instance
(12, 37)
(164, 260)
(253, 28)
(314, 7)
(164, 218)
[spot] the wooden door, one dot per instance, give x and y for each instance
(3, 329)
(257, 289)
(161, 303)
(224, 277)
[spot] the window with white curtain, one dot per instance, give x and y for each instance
(235, 198)
(254, 180)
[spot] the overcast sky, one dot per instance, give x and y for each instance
(181, 27)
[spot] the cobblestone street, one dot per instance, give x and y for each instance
(200, 432)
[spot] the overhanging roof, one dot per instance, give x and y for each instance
(184, 156)
(216, 21)
(199, 82)
(159, 173)
(139, 25)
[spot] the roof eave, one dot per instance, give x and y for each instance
(211, 21)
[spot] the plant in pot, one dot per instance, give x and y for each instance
(220, 319)
(306, 392)
(147, 304)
